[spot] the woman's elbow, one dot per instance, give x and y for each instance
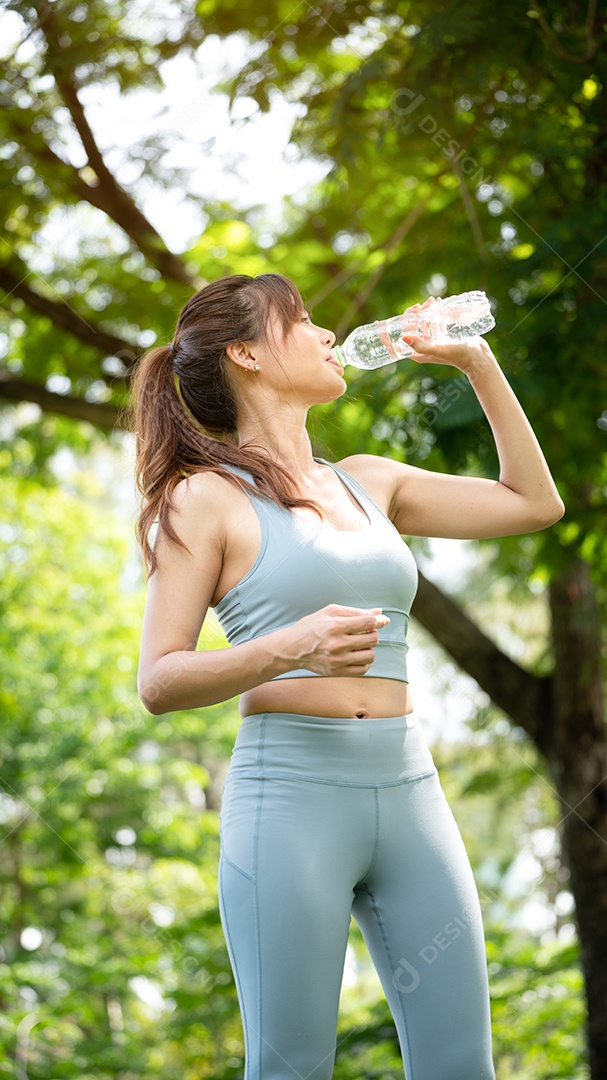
(549, 513)
(152, 690)
(150, 697)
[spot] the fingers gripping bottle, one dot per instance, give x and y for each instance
(454, 318)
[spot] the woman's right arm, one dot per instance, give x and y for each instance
(173, 675)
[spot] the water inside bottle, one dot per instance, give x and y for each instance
(456, 318)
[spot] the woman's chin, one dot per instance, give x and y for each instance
(331, 395)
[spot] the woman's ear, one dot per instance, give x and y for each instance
(241, 354)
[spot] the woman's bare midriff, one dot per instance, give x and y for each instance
(361, 697)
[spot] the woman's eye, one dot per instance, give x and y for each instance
(306, 318)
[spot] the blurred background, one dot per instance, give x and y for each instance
(377, 154)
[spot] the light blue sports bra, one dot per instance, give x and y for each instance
(304, 564)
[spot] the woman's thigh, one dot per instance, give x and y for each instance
(292, 852)
(420, 915)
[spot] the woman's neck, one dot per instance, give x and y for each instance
(285, 439)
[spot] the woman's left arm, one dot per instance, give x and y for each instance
(424, 503)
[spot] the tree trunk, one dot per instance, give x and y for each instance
(577, 759)
(524, 697)
(564, 716)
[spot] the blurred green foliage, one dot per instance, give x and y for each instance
(107, 850)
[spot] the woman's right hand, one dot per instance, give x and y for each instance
(336, 640)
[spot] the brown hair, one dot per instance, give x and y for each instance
(185, 409)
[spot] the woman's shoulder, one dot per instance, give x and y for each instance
(206, 496)
(380, 476)
(200, 488)
(374, 468)
(360, 464)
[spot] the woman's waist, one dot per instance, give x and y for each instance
(354, 697)
(338, 750)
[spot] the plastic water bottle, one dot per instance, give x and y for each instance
(454, 318)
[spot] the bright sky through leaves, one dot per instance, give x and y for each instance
(242, 158)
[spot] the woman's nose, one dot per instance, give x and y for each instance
(329, 338)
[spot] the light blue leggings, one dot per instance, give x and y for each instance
(322, 819)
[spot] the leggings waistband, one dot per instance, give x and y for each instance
(384, 750)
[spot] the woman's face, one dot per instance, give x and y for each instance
(300, 362)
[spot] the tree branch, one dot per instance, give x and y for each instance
(97, 413)
(399, 234)
(108, 195)
(389, 246)
(65, 316)
(471, 213)
(524, 697)
(449, 124)
(128, 217)
(20, 123)
(554, 41)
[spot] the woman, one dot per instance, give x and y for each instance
(332, 806)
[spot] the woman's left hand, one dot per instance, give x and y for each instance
(470, 356)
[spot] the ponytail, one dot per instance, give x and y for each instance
(185, 410)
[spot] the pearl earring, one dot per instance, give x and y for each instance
(255, 367)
